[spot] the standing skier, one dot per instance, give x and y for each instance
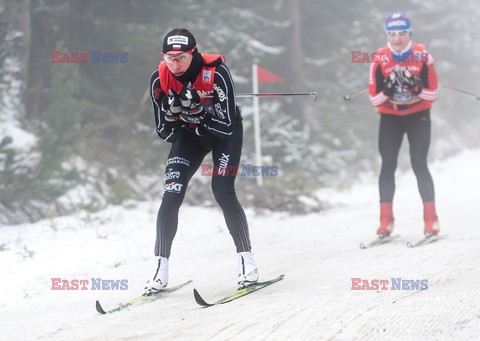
(193, 98)
(402, 85)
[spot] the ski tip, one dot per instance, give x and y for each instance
(363, 246)
(409, 244)
(199, 299)
(99, 308)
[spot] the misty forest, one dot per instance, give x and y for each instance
(81, 136)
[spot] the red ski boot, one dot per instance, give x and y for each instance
(431, 219)
(386, 219)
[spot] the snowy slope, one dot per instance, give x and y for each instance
(318, 254)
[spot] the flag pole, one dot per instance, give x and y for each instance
(256, 122)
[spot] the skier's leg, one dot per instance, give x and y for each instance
(389, 142)
(390, 138)
(184, 159)
(419, 134)
(226, 157)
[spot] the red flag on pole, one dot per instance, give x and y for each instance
(265, 76)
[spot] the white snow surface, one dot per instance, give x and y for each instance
(318, 253)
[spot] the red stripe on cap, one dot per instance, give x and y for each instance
(177, 48)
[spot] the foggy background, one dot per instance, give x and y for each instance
(82, 136)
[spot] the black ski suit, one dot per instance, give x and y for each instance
(223, 136)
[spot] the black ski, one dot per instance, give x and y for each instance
(427, 240)
(237, 293)
(379, 241)
(141, 298)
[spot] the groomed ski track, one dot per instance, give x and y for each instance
(318, 254)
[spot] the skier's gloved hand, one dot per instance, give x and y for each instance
(174, 104)
(410, 82)
(171, 109)
(405, 78)
(190, 99)
(167, 111)
(389, 85)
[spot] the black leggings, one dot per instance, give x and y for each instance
(392, 128)
(185, 157)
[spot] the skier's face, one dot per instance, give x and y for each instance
(177, 62)
(398, 39)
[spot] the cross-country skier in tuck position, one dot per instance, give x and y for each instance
(193, 98)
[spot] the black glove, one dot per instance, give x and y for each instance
(174, 105)
(172, 109)
(410, 82)
(190, 99)
(389, 85)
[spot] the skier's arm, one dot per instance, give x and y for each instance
(221, 123)
(429, 80)
(166, 130)
(375, 85)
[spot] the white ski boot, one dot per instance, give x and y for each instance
(160, 280)
(247, 270)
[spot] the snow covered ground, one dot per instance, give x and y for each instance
(318, 253)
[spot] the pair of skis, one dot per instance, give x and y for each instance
(387, 239)
(233, 296)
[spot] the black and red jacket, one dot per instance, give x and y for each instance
(214, 81)
(420, 63)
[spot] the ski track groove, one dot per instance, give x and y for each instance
(284, 321)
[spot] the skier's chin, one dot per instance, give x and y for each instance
(398, 48)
